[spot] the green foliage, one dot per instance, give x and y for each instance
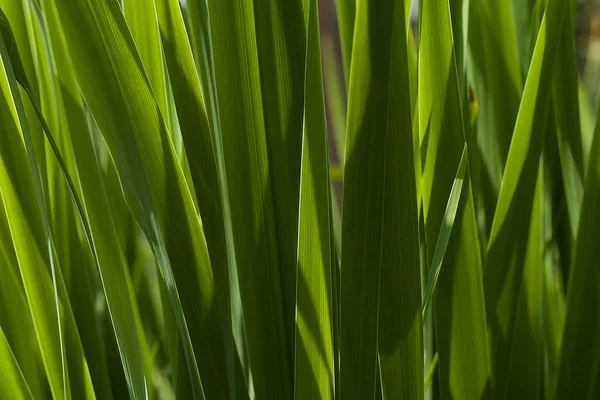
(171, 224)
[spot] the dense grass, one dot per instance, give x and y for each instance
(170, 225)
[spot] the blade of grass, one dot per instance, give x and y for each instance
(142, 20)
(108, 67)
(524, 370)
(107, 252)
(314, 365)
(459, 314)
(75, 259)
(346, 14)
(579, 364)
(281, 47)
(445, 232)
(256, 120)
(507, 248)
(431, 371)
(15, 318)
(380, 287)
(201, 41)
(552, 319)
(587, 122)
(566, 114)
(527, 15)
(497, 83)
(28, 221)
(334, 93)
(12, 381)
(21, 25)
(191, 112)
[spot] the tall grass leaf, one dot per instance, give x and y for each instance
(497, 83)
(142, 20)
(12, 381)
(242, 138)
(444, 236)
(507, 248)
(524, 370)
(200, 39)
(527, 15)
(14, 13)
(281, 47)
(57, 196)
(587, 119)
(566, 114)
(459, 314)
(314, 359)
(198, 24)
(197, 139)
(107, 251)
(552, 319)
(579, 365)
(380, 278)
(110, 75)
(460, 28)
(21, 26)
(15, 318)
(65, 209)
(431, 371)
(346, 15)
(335, 97)
(25, 207)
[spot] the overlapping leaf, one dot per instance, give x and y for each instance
(459, 314)
(114, 85)
(380, 288)
(314, 358)
(506, 255)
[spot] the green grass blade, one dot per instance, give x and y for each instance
(107, 252)
(431, 371)
(587, 121)
(507, 247)
(12, 381)
(552, 319)
(460, 29)
(281, 47)
(445, 232)
(459, 315)
(141, 17)
(65, 216)
(524, 369)
(579, 365)
(21, 24)
(527, 15)
(197, 140)
(252, 182)
(64, 226)
(346, 14)
(24, 204)
(314, 365)
(380, 278)
(200, 41)
(108, 67)
(15, 13)
(335, 96)
(566, 114)
(15, 317)
(497, 83)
